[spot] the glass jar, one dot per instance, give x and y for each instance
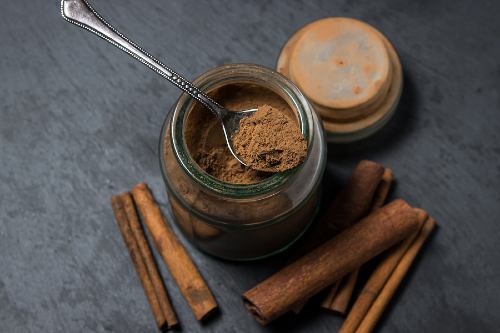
(235, 221)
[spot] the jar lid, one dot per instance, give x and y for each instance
(350, 73)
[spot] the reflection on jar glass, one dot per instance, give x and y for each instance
(222, 207)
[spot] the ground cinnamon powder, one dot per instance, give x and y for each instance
(205, 139)
(270, 140)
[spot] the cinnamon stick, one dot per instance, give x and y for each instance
(385, 295)
(145, 250)
(338, 298)
(383, 189)
(348, 207)
(137, 260)
(191, 284)
(378, 279)
(326, 264)
(339, 295)
(355, 201)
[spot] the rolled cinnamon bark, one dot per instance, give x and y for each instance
(370, 320)
(349, 206)
(186, 275)
(378, 279)
(365, 186)
(339, 296)
(326, 264)
(383, 189)
(138, 261)
(355, 201)
(145, 250)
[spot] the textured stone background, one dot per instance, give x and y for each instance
(79, 121)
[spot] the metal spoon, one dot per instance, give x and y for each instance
(80, 13)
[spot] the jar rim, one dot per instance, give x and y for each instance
(214, 79)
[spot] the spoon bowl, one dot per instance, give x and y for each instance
(230, 121)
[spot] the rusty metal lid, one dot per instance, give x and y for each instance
(348, 70)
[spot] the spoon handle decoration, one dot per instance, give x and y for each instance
(80, 13)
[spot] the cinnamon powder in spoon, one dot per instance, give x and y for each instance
(205, 139)
(269, 140)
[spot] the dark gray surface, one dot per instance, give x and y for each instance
(79, 121)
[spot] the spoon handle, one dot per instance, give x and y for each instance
(80, 13)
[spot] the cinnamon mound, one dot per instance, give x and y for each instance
(219, 162)
(269, 140)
